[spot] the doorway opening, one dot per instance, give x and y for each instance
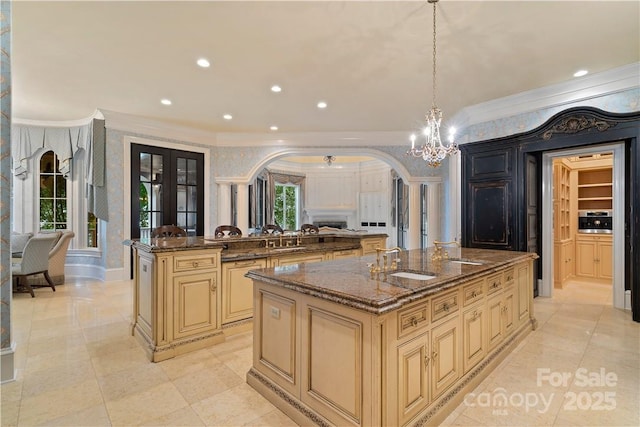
(583, 221)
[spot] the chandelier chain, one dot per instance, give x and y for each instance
(434, 55)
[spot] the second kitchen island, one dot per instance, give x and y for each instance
(338, 343)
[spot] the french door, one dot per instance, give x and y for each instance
(166, 188)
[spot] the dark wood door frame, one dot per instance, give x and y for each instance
(572, 128)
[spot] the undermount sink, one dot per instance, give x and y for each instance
(413, 276)
(464, 261)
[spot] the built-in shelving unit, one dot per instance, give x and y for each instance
(595, 189)
(561, 201)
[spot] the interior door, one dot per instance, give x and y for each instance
(167, 188)
(532, 186)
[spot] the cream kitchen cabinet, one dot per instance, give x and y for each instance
(177, 301)
(414, 372)
(290, 259)
(445, 356)
(474, 335)
(237, 290)
(594, 257)
(369, 244)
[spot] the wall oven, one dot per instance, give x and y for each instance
(595, 222)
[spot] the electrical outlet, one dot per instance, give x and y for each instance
(275, 312)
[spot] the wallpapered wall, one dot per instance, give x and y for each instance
(240, 161)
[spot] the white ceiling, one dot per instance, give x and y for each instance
(369, 60)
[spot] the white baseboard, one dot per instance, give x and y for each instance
(627, 300)
(7, 367)
(95, 272)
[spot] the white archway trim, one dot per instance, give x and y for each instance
(296, 151)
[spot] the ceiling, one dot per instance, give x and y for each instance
(369, 60)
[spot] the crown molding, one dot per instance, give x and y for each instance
(97, 114)
(315, 139)
(570, 92)
(156, 128)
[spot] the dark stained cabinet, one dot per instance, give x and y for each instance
(489, 196)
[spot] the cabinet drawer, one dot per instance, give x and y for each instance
(508, 275)
(369, 245)
(444, 305)
(195, 262)
(413, 318)
(473, 292)
(346, 253)
(494, 283)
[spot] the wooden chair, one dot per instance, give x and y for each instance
(309, 229)
(227, 231)
(168, 231)
(271, 229)
(35, 260)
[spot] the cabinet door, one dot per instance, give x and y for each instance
(237, 290)
(490, 215)
(195, 305)
(585, 256)
(525, 291)
(445, 356)
(413, 377)
(509, 316)
(494, 321)
(473, 337)
(605, 260)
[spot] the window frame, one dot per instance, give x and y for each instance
(297, 205)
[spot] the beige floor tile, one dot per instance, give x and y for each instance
(207, 382)
(70, 356)
(239, 361)
(95, 416)
(9, 413)
(54, 404)
(119, 361)
(111, 345)
(142, 407)
(233, 407)
(51, 344)
(273, 418)
(133, 380)
(181, 418)
(189, 363)
(56, 378)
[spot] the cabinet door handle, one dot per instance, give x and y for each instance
(435, 355)
(474, 294)
(445, 306)
(426, 360)
(414, 321)
(195, 264)
(475, 314)
(214, 285)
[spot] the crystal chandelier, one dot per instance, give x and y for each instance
(433, 151)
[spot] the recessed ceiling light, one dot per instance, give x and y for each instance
(580, 73)
(276, 88)
(203, 62)
(274, 128)
(227, 117)
(165, 101)
(322, 104)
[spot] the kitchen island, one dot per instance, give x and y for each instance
(191, 292)
(365, 342)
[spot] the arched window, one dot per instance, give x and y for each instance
(53, 194)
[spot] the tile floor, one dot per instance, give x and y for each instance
(77, 365)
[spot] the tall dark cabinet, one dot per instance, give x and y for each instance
(501, 184)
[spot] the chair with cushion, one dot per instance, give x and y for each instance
(18, 242)
(57, 258)
(35, 260)
(227, 231)
(271, 229)
(309, 229)
(168, 231)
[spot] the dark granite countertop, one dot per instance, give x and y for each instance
(252, 247)
(350, 282)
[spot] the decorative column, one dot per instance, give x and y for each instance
(413, 237)
(433, 213)
(7, 347)
(224, 204)
(242, 204)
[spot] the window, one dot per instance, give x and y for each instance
(286, 206)
(53, 194)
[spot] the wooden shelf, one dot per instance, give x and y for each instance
(595, 189)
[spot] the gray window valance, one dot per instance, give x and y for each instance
(26, 141)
